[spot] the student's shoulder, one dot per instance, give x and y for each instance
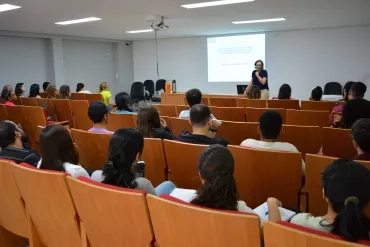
(308, 220)
(286, 146)
(249, 143)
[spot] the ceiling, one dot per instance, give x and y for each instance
(119, 16)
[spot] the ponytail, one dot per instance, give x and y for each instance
(115, 174)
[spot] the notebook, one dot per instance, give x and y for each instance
(262, 212)
(184, 194)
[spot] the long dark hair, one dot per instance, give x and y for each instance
(346, 185)
(34, 90)
(124, 146)
(123, 101)
(18, 89)
(79, 87)
(148, 120)
(216, 168)
(64, 92)
(285, 92)
(56, 147)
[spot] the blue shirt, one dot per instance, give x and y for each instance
(124, 112)
(257, 83)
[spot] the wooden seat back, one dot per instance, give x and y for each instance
(3, 113)
(119, 121)
(261, 174)
(166, 110)
(180, 125)
(28, 101)
(113, 216)
(18, 101)
(63, 111)
(338, 143)
(236, 132)
(93, 97)
(307, 118)
(318, 105)
(254, 114)
(47, 104)
(155, 161)
(284, 103)
(255, 103)
(183, 171)
(235, 114)
(35, 117)
(188, 224)
(92, 148)
(222, 102)
(78, 96)
(79, 110)
(16, 114)
(52, 218)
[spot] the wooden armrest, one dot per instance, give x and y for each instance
(60, 123)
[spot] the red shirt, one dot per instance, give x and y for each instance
(9, 103)
(364, 157)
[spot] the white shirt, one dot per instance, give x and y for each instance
(310, 221)
(283, 146)
(85, 91)
(186, 114)
(73, 170)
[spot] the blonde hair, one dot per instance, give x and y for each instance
(254, 93)
(103, 86)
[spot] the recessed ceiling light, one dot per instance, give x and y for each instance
(78, 21)
(259, 21)
(140, 31)
(6, 7)
(213, 3)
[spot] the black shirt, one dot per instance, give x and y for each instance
(163, 133)
(257, 83)
(201, 139)
(20, 155)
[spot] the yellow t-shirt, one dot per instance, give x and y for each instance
(106, 95)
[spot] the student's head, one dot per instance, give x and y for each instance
(270, 125)
(346, 89)
(357, 91)
(316, 94)
(80, 87)
(8, 87)
(259, 65)
(52, 91)
(125, 149)
(346, 189)
(353, 110)
(19, 89)
(45, 85)
(254, 93)
(34, 90)
(8, 95)
(103, 86)
(361, 135)
(123, 102)
(193, 97)
(148, 120)
(98, 112)
(216, 170)
(200, 116)
(64, 92)
(10, 134)
(285, 92)
(56, 148)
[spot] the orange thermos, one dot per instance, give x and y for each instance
(167, 88)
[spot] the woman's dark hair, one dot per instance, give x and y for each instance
(316, 94)
(148, 120)
(34, 90)
(56, 148)
(124, 146)
(5, 94)
(45, 85)
(285, 92)
(18, 89)
(346, 185)
(79, 87)
(354, 110)
(346, 89)
(64, 92)
(216, 168)
(254, 93)
(123, 100)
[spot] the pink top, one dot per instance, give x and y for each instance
(9, 103)
(338, 108)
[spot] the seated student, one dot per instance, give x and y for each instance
(346, 190)
(52, 92)
(64, 92)
(254, 93)
(316, 94)
(353, 110)
(124, 104)
(35, 91)
(125, 149)
(107, 95)
(81, 88)
(8, 97)
(285, 92)
(58, 152)
(193, 97)
(151, 125)
(44, 94)
(270, 125)
(360, 132)
(204, 127)
(98, 114)
(12, 140)
(19, 90)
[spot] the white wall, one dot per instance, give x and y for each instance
(303, 58)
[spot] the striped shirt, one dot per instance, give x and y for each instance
(19, 155)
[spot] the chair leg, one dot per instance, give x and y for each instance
(10, 239)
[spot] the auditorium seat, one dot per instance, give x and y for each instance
(92, 148)
(79, 110)
(222, 102)
(155, 161)
(180, 224)
(318, 105)
(235, 114)
(16, 115)
(47, 104)
(284, 103)
(183, 169)
(35, 117)
(18, 101)
(180, 125)
(28, 101)
(256, 103)
(180, 108)
(338, 143)
(13, 221)
(119, 121)
(53, 219)
(63, 111)
(261, 174)
(307, 118)
(93, 97)
(166, 110)
(254, 114)
(113, 216)
(78, 96)
(236, 132)
(3, 113)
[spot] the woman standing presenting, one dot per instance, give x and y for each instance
(259, 79)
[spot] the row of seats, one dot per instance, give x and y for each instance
(63, 211)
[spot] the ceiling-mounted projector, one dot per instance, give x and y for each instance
(157, 22)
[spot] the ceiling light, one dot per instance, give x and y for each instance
(78, 21)
(259, 21)
(213, 3)
(6, 7)
(141, 31)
